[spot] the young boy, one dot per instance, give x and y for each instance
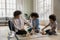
(18, 22)
(35, 23)
(52, 24)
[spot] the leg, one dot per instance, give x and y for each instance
(48, 32)
(21, 32)
(37, 30)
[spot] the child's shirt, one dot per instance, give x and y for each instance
(19, 23)
(35, 23)
(53, 26)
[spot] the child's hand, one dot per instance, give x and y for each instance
(33, 31)
(33, 28)
(22, 28)
(43, 32)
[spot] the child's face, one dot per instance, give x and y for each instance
(33, 18)
(17, 16)
(51, 21)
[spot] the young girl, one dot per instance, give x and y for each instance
(35, 23)
(52, 24)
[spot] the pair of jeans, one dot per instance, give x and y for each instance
(21, 32)
(36, 30)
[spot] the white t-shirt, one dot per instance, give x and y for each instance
(19, 23)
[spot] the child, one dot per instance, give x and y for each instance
(52, 24)
(35, 23)
(18, 22)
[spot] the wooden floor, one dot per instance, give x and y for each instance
(4, 35)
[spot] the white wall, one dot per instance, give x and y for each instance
(34, 5)
(57, 11)
(19, 5)
(26, 6)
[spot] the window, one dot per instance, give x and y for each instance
(11, 7)
(7, 7)
(44, 8)
(2, 8)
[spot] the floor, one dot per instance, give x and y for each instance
(4, 30)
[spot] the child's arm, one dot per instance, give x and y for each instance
(45, 27)
(27, 22)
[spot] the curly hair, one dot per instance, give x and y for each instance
(34, 15)
(16, 13)
(53, 17)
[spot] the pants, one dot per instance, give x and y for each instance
(50, 33)
(36, 30)
(21, 32)
(12, 28)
